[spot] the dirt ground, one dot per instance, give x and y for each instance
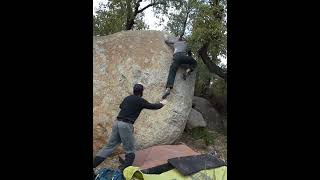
(219, 148)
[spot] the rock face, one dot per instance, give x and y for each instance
(212, 117)
(123, 59)
(195, 119)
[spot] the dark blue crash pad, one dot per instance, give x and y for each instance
(193, 164)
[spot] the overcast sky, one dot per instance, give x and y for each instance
(148, 18)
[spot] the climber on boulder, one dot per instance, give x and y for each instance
(122, 129)
(182, 56)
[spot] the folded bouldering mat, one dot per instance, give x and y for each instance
(107, 173)
(134, 173)
(154, 160)
(192, 164)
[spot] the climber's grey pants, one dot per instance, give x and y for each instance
(121, 132)
(179, 59)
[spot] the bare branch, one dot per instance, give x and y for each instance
(137, 5)
(149, 5)
(130, 19)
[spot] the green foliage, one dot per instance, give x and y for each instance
(208, 26)
(206, 23)
(112, 16)
(219, 87)
(203, 79)
(218, 95)
(139, 23)
(202, 133)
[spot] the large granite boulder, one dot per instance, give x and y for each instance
(210, 114)
(195, 120)
(119, 61)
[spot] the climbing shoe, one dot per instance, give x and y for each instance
(166, 93)
(185, 74)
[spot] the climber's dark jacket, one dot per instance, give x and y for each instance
(131, 107)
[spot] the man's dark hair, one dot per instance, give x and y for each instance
(138, 90)
(181, 38)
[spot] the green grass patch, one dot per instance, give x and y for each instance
(202, 133)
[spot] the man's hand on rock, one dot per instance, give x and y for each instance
(164, 101)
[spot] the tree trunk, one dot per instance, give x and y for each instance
(131, 18)
(203, 53)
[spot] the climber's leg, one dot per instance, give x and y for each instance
(188, 60)
(128, 161)
(127, 137)
(113, 142)
(166, 93)
(191, 65)
(186, 73)
(128, 142)
(172, 74)
(97, 160)
(171, 77)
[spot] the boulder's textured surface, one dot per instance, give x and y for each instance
(123, 59)
(195, 120)
(211, 115)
